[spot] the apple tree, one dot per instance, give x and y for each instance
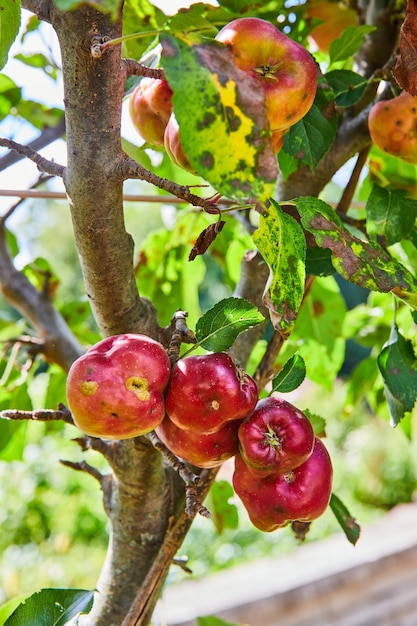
(246, 115)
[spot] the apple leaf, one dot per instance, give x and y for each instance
(10, 95)
(390, 213)
(213, 620)
(397, 364)
(291, 375)
(224, 514)
(309, 139)
(221, 113)
(9, 27)
(281, 241)
(349, 42)
(104, 6)
(348, 86)
(140, 17)
(318, 423)
(219, 327)
(363, 263)
(348, 523)
(51, 607)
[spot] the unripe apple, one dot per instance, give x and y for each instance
(150, 107)
(285, 69)
(173, 145)
(115, 390)
(393, 126)
(335, 17)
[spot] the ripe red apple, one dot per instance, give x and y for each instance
(207, 391)
(285, 70)
(200, 449)
(393, 126)
(150, 107)
(275, 437)
(115, 390)
(302, 494)
(173, 145)
(335, 17)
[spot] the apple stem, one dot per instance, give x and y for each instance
(180, 334)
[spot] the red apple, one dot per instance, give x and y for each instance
(115, 390)
(302, 494)
(285, 69)
(200, 449)
(173, 145)
(206, 391)
(150, 107)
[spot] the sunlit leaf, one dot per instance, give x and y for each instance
(222, 118)
(140, 17)
(219, 327)
(10, 95)
(281, 241)
(390, 213)
(318, 423)
(9, 27)
(104, 6)
(348, 523)
(212, 620)
(349, 42)
(398, 366)
(291, 375)
(51, 607)
(224, 514)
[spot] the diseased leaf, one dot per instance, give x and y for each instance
(363, 263)
(140, 17)
(404, 71)
(218, 329)
(398, 366)
(281, 241)
(222, 119)
(9, 27)
(390, 213)
(348, 523)
(291, 376)
(224, 514)
(51, 607)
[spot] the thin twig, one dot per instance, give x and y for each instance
(83, 466)
(133, 68)
(43, 165)
(180, 333)
(39, 415)
(179, 466)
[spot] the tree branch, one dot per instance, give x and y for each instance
(133, 68)
(43, 165)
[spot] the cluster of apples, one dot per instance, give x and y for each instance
(284, 70)
(205, 410)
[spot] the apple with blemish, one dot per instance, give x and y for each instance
(393, 126)
(115, 390)
(282, 67)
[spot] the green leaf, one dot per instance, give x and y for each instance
(212, 620)
(140, 17)
(281, 241)
(104, 6)
(192, 19)
(218, 329)
(390, 213)
(51, 607)
(10, 95)
(9, 27)
(319, 261)
(348, 86)
(318, 423)
(40, 61)
(38, 114)
(309, 139)
(221, 113)
(348, 523)
(349, 42)
(223, 513)
(398, 366)
(363, 263)
(291, 376)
